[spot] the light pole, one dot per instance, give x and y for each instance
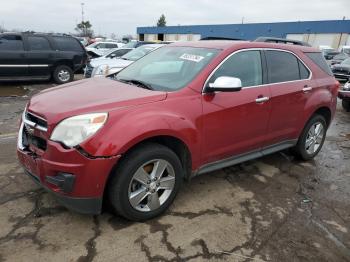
(82, 18)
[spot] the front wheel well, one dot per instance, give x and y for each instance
(175, 144)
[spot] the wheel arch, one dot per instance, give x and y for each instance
(178, 146)
(65, 62)
(325, 112)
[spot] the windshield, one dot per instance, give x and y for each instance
(131, 44)
(346, 62)
(138, 53)
(168, 68)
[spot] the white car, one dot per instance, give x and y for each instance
(111, 66)
(100, 48)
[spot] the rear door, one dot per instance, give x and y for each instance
(235, 123)
(13, 63)
(291, 85)
(40, 56)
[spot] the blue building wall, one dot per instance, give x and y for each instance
(254, 30)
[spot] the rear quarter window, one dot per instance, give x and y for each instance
(67, 44)
(319, 60)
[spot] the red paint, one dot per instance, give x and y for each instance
(213, 126)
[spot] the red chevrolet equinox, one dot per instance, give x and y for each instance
(183, 110)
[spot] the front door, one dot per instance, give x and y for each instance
(235, 123)
(13, 62)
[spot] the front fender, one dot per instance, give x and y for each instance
(126, 128)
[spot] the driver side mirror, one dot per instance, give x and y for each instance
(113, 56)
(225, 84)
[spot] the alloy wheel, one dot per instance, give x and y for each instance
(63, 75)
(314, 138)
(151, 185)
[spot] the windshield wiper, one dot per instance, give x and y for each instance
(137, 83)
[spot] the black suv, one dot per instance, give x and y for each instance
(37, 56)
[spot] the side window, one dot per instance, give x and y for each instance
(11, 43)
(303, 71)
(38, 43)
(67, 44)
(244, 65)
(282, 66)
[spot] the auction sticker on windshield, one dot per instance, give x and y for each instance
(194, 58)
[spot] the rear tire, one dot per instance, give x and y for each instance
(312, 138)
(346, 104)
(63, 74)
(145, 182)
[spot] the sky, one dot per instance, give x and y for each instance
(122, 17)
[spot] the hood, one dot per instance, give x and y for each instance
(87, 96)
(117, 62)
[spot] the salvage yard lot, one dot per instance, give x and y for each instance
(272, 209)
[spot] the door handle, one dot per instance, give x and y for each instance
(307, 89)
(262, 99)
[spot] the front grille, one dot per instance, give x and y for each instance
(35, 119)
(31, 123)
(28, 138)
(88, 70)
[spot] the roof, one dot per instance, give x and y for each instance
(224, 44)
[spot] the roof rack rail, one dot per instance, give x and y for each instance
(219, 38)
(42, 33)
(281, 41)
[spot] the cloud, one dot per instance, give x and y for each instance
(122, 17)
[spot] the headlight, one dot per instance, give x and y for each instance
(104, 70)
(74, 130)
(347, 86)
(101, 70)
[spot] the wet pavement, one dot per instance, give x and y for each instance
(272, 209)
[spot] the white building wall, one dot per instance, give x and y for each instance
(299, 37)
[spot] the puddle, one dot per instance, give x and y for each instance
(13, 91)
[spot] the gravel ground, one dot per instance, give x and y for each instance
(272, 209)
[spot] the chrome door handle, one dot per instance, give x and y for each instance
(307, 89)
(262, 99)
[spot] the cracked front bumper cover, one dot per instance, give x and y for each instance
(91, 206)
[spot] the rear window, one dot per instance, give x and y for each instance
(319, 60)
(11, 43)
(67, 44)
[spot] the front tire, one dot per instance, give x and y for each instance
(145, 183)
(312, 138)
(63, 74)
(346, 104)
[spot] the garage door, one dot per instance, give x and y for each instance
(323, 39)
(298, 37)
